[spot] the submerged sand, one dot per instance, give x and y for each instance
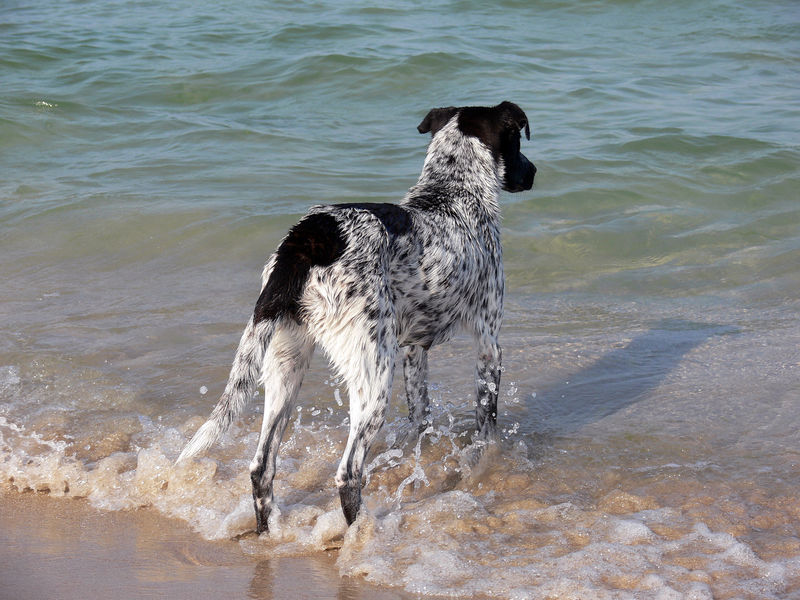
(63, 548)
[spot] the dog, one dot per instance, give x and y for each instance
(365, 281)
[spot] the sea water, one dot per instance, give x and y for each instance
(153, 154)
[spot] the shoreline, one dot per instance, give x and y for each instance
(64, 548)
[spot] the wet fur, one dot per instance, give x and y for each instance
(367, 282)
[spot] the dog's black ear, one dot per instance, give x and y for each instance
(436, 119)
(516, 117)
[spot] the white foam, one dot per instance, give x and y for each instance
(440, 515)
(630, 532)
(9, 377)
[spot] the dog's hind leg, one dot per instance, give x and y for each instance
(415, 372)
(285, 364)
(369, 384)
(487, 379)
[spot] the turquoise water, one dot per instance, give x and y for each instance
(152, 155)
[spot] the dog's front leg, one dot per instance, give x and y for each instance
(487, 377)
(415, 372)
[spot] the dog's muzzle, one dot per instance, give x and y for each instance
(521, 177)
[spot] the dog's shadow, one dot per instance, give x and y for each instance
(617, 380)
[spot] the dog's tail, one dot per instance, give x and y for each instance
(241, 386)
(315, 241)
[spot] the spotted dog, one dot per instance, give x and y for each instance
(368, 281)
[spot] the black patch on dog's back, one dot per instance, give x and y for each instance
(393, 217)
(315, 241)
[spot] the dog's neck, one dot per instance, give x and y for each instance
(460, 170)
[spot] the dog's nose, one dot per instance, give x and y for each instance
(530, 173)
(520, 177)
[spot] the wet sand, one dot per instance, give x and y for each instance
(64, 549)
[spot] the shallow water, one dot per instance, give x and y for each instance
(152, 158)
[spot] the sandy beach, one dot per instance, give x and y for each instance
(64, 549)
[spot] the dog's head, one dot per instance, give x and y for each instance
(498, 127)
